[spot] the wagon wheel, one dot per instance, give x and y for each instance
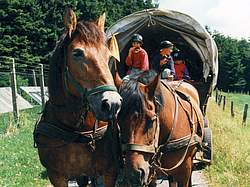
(206, 122)
(208, 146)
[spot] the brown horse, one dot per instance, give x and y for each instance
(71, 136)
(161, 130)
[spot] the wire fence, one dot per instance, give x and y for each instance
(17, 72)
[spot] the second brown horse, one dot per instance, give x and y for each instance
(161, 130)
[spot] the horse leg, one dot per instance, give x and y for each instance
(186, 181)
(152, 183)
(82, 181)
(109, 181)
(57, 180)
(171, 181)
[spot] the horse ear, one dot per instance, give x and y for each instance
(70, 21)
(101, 21)
(151, 87)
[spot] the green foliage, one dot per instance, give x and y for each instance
(234, 63)
(36, 25)
(29, 29)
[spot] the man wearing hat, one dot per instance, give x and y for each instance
(163, 62)
(137, 59)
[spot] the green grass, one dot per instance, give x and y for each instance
(19, 162)
(231, 165)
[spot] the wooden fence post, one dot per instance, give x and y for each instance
(224, 102)
(245, 114)
(232, 108)
(220, 98)
(216, 95)
(34, 77)
(42, 85)
(14, 92)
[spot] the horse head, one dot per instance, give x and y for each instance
(81, 68)
(138, 120)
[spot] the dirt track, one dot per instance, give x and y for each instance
(198, 180)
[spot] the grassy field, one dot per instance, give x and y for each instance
(20, 166)
(231, 166)
(19, 163)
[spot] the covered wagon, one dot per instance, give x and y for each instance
(195, 43)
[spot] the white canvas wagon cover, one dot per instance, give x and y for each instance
(186, 33)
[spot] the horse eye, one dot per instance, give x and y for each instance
(78, 54)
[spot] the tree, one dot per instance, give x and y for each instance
(244, 48)
(231, 66)
(37, 24)
(29, 29)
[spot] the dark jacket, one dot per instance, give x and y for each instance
(155, 64)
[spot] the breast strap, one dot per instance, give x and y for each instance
(52, 131)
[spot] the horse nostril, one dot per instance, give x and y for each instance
(105, 105)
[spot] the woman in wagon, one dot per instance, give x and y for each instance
(181, 70)
(162, 62)
(137, 59)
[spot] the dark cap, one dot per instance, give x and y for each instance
(166, 44)
(137, 38)
(177, 56)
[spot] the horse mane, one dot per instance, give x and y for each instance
(90, 34)
(133, 98)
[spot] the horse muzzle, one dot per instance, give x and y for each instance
(137, 170)
(105, 105)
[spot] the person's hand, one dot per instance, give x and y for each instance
(170, 77)
(163, 61)
(131, 50)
